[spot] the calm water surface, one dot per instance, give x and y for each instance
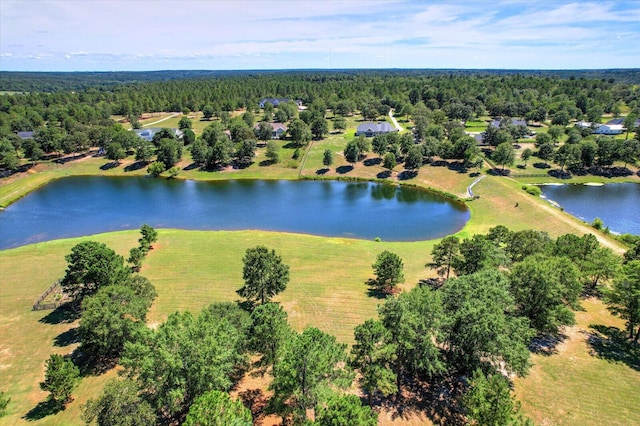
(78, 206)
(617, 204)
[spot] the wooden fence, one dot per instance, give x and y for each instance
(53, 288)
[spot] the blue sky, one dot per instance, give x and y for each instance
(113, 35)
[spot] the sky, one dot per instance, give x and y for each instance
(142, 35)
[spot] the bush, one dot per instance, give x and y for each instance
(533, 190)
(156, 168)
(597, 224)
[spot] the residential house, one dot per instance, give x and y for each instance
(620, 120)
(513, 121)
(601, 129)
(149, 132)
(278, 130)
(371, 129)
(277, 101)
(25, 135)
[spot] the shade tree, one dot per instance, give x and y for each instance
(414, 320)
(264, 274)
(308, 366)
(120, 404)
(187, 356)
(92, 265)
(546, 291)
(623, 298)
(374, 355)
(345, 410)
(388, 269)
(480, 325)
(60, 379)
(444, 255)
(216, 408)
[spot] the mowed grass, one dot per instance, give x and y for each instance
(574, 386)
(27, 338)
(190, 269)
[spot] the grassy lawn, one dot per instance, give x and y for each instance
(327, 290)
(576, 386)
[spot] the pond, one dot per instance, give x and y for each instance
(78, 206)
(617, 204)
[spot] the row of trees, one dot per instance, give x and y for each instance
(113, 303)
(72, 122)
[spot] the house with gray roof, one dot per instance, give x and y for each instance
(149, 132)
(509, 121)
(278, 130)
(371, 129)
(277, 101)
(620, 120)
(25, 135)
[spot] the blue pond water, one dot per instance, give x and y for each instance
(78, 206)
(617, 204)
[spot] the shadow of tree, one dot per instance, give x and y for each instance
(458, 166)
(63, 314)
(135, 166)
(67, 338)
(384, 174)
(110, 165)
(192, 166)
(256, 401)
(499, 172)
(438, 400)
(546, 344)
(611, 343)
(374, 291)
(265, 163)
(44, 409)
(322, 171)
(372, 161)
(344, 169)
(559, 174)
(407, 174)
(541, 166)
(91, 365)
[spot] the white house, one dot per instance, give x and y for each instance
(370, 129)
(601, 129)
(609, 129)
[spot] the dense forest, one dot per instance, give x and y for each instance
(438, 104)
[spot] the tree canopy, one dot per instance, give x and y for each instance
(264, 274)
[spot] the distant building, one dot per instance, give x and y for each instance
(601, 129)
(277, 130)
(25, 135)
(513, 121)
(620, 120)
(148, 133)
(277, 101)
(371, 129)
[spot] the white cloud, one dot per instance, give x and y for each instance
(223, 34)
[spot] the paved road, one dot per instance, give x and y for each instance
(395, 122)
(469, 192)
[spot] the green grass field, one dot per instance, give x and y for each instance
(192, 269)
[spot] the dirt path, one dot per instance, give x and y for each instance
(395, 122)
(161, 120)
